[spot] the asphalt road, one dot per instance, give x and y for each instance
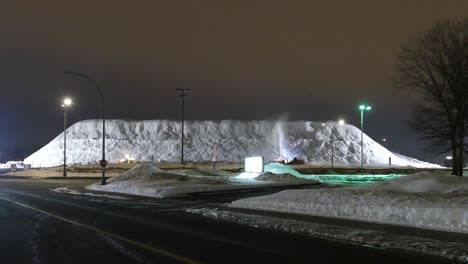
(41, 226)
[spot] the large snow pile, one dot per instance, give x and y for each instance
(423, 200)
(232, 141)
(145, 179)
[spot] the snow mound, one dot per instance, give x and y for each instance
(148, 173)
(160, 185)
(280, 168)
(159, 141)
(423, 200)
(283, 177)
(138, 171)
(422, 182)
(148, 180)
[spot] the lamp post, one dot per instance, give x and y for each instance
(362, 108)
(66, 103)
(183, 93)
(103, 162)
(332, 128)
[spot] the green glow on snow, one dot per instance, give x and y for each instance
(352, 179)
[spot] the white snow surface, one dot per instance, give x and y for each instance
(424, 200)
(447, 249)
(280, 168)
(422, 182)
(145, 179)
(159, 141)
(75, 192)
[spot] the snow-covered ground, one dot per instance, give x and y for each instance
(227, 140)
(453, 250)
(146, 179)
(75, 192)
(424, 200)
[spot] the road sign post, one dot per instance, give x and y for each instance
(103, 164)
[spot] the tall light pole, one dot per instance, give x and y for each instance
(183, 93)
(66, 103)
(332, 128)
(362, 108)
(103, 162)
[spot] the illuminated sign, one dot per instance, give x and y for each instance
(253, 164)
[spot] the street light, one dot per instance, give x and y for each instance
(183, 93)
(332, 128)
(103, 162)
(66, 103)
(362, 108)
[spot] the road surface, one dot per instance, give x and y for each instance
(38, 225)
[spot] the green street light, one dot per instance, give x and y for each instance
(362, 108)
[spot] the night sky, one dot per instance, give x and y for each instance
(307, 60)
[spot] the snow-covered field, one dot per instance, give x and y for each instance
(227, 140)
(424, 200)
(146, 179)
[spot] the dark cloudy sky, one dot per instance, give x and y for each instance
(313, 60)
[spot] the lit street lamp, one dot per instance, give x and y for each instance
(183, 93)
(66, 103)
(332, 128)
(362, 108)
(103, 162)
(384, 142)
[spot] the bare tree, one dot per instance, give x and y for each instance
(435, 63)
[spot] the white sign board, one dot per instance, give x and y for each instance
(253, 164)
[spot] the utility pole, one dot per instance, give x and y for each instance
(183, 93)
(213, 156)
(66, 103)
(362, 141)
